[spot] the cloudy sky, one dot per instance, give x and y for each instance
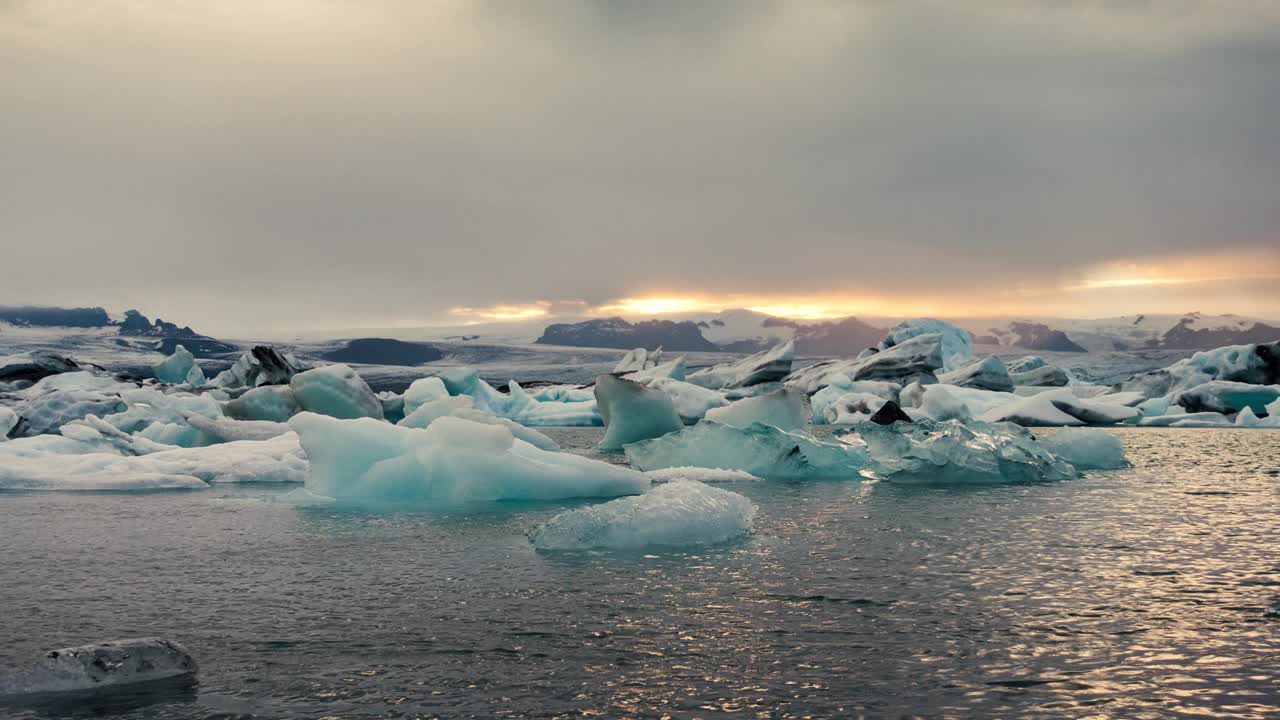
(255, 165)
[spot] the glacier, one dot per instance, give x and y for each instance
(680, 513)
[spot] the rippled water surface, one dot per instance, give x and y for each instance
(1133, 594)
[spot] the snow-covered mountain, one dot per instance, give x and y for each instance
(1192, 331)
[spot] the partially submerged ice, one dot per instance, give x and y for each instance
(692, 402)
(768, 366)
(1087, 448)
(453, 461)
(761, 450)
(783, 408)
(681, 513)
(103, 665)
(673, 369)
(34, 366)
(462, 407)
(179, 368)
(955, 452)
(638, 359)
(336, 391)
(956, 343)
(1227, 398)
(273, 403)
(518, 405)
(633, 412)
(262, 365)
(839, 386)
(1059, 408)
(8, 419)
(1253, 364)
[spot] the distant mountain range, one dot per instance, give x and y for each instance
(747, 331)
(159, 335)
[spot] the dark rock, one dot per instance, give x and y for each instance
(890, 413)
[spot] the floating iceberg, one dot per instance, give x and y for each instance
(853, 407)
(633, 412)
(1054, 408)
(1087, 448)
(679, 513)
(838, 385)
(423, 391)
(762, 450)
(108, 664)
(940, 403)
(1043, 376)
(262, 365)
(452, 461)
(1026, 363)
(392, 406)
(912, 360)
(224, 429)
(523, 408)
(34, 366)
(638, 359)
(673, 369)
(986, 374)
(1187, 420)
(1222, 396)
(783, 408)
(767, 366)
(8, 419)
(956, 343)
(461, 407)
(1253, 364)
(336, 391)
(50, 411)
(272, 403)
(563, 393)
(1246, 418)
(180, 368)
(954, 452)
(691, 401)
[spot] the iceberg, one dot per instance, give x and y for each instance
(167, 413)
(940, 403)
(461, 407)
(956, 343)
(262, 365)
(1246, 418)
(839, 385)
(1087, 448)
(563, 393)
(50, 411)
(1054, 408)
(272, 403)
(768, 366)
(1227, 398)
(680, 513)
(913, 360)
(673, 369)
(638, 359)
(423, 391)
(392, 406)
(1186, 419)
(783, 408)
(691, 401)
(1026, 363)
(954, 452)
(180, 368)
(107, 664)
(1252, 364)
(34, 366)
(1043, 376)
(853, 407)
(336, 391)
(633, 412)
(761, 450)
(224, 429)
(523, 408)
(452, 461)
(8, 419)
(988, 373)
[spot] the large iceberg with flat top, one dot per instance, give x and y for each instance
(956, 343)
(767, 366)
(958, 452)
(761, 450)
(681, 513)
(633, 412)
(452, 461)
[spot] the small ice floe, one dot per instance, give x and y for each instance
(106, 664)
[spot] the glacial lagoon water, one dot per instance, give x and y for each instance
(1145, 593)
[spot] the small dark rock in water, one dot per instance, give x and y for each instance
(118, 662)
(890, 413)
